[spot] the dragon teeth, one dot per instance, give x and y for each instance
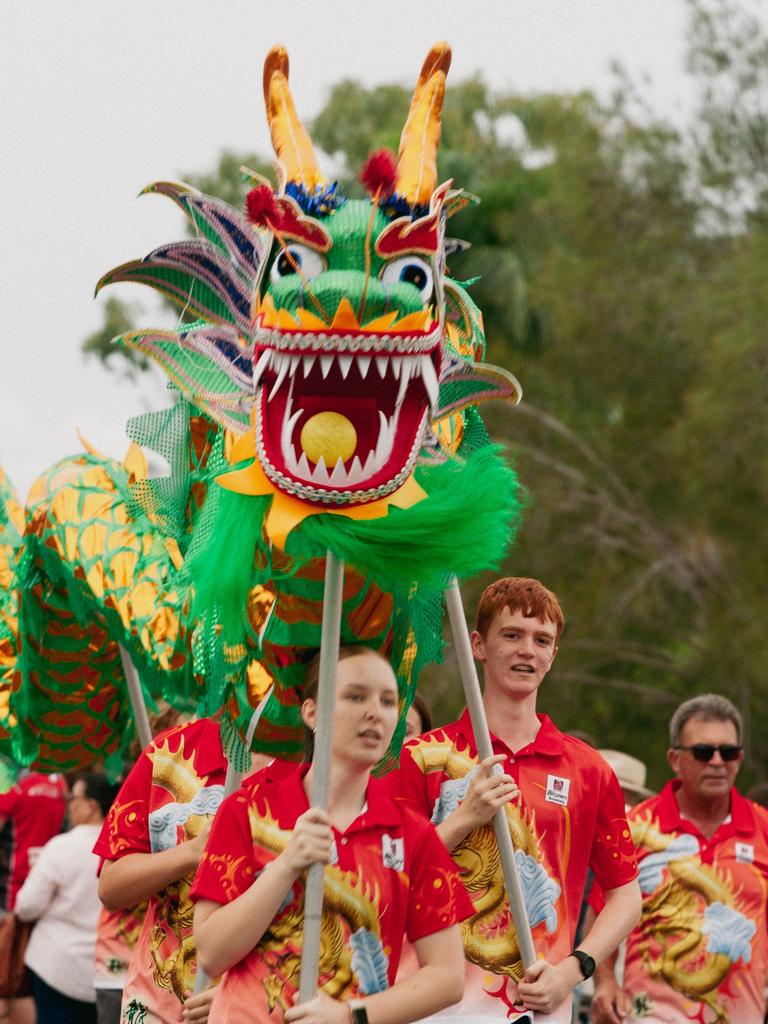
(355, 474)
(289, 422)
(370, 464)
(339, 474)
(405, 376)
(382, 445)
(320, 473)
(429, 377)
(261, 365)
(283, 365)
(402, 367)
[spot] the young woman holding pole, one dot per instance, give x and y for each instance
(387, 875)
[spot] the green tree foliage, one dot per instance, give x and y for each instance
(119, 317)
(621, 265)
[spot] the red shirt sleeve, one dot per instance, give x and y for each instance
(231, 860)
(613, 857)
(126, 827)
(437, 898)
(408, 783)
(596, 898)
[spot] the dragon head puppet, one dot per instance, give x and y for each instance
(331, 321)
(348, 337)
(342, 367)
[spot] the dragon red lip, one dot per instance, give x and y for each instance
(380, 398)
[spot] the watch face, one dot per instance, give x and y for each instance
(586, 963)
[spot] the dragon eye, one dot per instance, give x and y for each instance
(289, 261)
(409, 270)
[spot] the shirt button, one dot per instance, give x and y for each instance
(511, 760)
(344, 841)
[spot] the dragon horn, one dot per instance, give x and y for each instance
(417, 156)
(290, 138)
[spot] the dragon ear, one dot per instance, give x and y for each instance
(417, 155)
(290, 138)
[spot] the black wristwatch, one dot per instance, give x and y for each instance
(358, 1011)
(586, 962)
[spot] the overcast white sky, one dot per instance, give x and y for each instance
(99, 98)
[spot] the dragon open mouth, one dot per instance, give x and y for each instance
(340, 412)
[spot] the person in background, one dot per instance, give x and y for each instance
(700, 951)
(60, 895)
(31, 812)
(117, 932)
(419, 717)
(151, 844)
(631, 773)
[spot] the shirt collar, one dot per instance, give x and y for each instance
(291, 801)
(741, 816)
(210, 755)
(548, 741)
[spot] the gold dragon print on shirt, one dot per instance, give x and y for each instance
(693, 925)
(489, 936)
(190, 808)
(351, 949)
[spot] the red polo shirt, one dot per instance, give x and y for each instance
(390, 876)
(700, 952)
(570, 816)
(174, 788)
(34, 810)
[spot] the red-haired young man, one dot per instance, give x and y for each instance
(565, 812)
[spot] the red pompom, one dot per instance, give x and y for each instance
(260, 206)
(380, 173)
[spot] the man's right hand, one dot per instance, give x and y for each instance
(610, 1005)
(487, 792)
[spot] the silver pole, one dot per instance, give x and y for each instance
(476, 710)
(321, 766)
(136, 696)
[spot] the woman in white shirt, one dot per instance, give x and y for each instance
(61, 895)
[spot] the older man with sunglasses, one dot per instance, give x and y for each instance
(700, 952)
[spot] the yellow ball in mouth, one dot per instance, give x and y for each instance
(330, 436)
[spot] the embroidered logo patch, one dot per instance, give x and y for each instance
(557, 790)
(745, 853)
(393, 853)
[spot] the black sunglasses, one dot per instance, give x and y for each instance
(706, 751)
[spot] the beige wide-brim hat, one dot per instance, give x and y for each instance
(630, 772)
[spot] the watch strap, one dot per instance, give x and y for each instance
(358, 1011)
(586, 962)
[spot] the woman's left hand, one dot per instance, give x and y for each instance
(320, 1010)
